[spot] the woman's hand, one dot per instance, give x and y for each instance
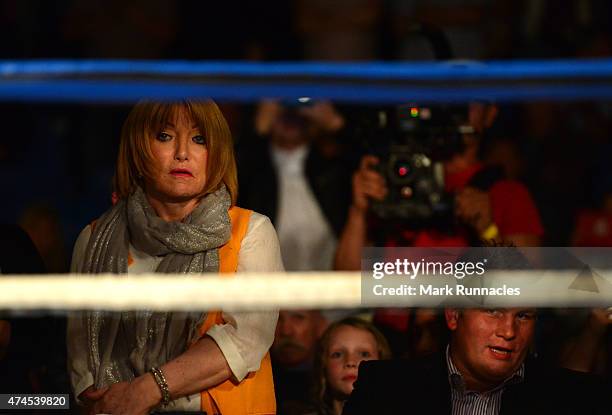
(127, 398)
(90, 395)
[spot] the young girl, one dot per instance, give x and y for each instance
(343, 346)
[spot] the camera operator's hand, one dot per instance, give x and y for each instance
(473, 206)
(367, 184)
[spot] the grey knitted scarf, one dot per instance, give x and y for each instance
(125, 345)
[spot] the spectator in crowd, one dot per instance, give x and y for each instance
(344, 345)
(463, 24)
(559, 164)
(138, 30)
(21, 360)
(594, 226)
(177, 186)
(330, 33)
(590, 350)
(504, 152)
(293, 350)
(43, 227)
(485, 369)
(549, 28)
(291, 173)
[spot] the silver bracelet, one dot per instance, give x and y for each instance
(160, 379)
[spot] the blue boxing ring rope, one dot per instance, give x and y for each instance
(129, 81)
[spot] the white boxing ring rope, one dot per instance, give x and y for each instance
(177, 292)
(290, 290)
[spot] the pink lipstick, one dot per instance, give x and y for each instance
(181, 173)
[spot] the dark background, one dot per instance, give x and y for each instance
(57, 161)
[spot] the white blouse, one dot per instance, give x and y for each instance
(245, 337)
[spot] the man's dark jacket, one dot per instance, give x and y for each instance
(422, 387)
(328, 178)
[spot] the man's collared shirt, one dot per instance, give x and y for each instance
(466, 402)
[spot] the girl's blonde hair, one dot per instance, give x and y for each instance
(321, 395)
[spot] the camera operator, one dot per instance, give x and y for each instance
(500, 211)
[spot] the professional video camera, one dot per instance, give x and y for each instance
(412, 143)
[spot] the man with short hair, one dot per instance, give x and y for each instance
(484, 370)
(487, 352)
(295, 342)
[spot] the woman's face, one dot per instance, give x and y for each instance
(179, 161)
(348, 347)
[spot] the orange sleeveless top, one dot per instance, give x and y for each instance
(255, 394)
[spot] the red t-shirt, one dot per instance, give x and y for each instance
(513, 210)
